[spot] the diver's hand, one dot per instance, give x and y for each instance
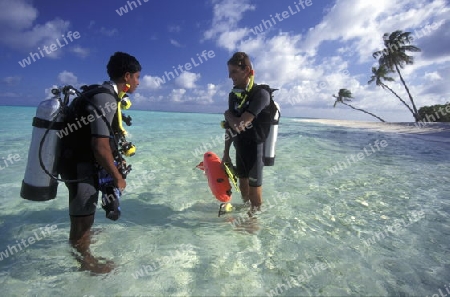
(120, 183)
(226, 158)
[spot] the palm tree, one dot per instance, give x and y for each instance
(380, 75)
(394, 57)
(346, 95)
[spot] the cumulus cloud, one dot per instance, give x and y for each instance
(17, 15)
(176, 95)
(437, 87)
(226, 16)
(187, 80)
(204, 95)
(19, 31)
(150, 82)
(433, 76)
(337, 52)
(67, 78)
(81, 52)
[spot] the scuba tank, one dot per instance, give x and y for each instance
(37, 184)
(271, 140)
(49, 127)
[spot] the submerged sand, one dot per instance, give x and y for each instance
(427, 130)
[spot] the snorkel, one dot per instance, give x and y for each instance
(119, 107)
(242, 94)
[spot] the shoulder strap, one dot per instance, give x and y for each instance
(262, 86)
(92, 90)
(273, 106)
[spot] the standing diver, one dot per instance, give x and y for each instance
(248, 116)
(93, 147)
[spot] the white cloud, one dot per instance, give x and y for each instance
(431, 76)
(187, 80)
(177, 95)
(361, 24)
(138, 98)
(17, 15)
(226, 16)
(18, 30)
(108, 32)
(291, 61)
(354, 21)
(204, 95)
(142, 100)
(175, 43)
(48, 91)
(150, 82)
(11, 80)
(435, 87)
(67, 78)
(82, 52)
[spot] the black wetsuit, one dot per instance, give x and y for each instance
(78, 159)
(249, 144)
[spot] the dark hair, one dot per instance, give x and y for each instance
(240, 59)
(121, 63)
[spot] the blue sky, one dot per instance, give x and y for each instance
(307, 49)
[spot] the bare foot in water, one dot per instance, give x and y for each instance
(94, 265)
(80, 239)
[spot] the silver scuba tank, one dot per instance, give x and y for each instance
(37, 185)
(271, 140)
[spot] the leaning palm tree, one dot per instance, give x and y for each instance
(380, 75)
(394, 57)
(346, 95)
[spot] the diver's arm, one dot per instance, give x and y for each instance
(103, 155)
(241, 123)
(228, 142)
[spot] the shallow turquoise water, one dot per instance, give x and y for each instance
(377, 226)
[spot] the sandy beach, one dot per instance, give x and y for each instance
(427, 130)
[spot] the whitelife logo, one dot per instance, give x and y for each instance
(49, 49)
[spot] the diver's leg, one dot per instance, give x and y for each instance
(83, 198)
(244, 187)
(256, 178)
(255, 196)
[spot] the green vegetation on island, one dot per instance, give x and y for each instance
(435, 113)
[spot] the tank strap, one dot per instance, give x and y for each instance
(46, 124)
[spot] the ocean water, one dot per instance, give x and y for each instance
(347, 211)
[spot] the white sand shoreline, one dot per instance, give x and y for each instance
(431, 131)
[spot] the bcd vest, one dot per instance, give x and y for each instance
(260, 126)
(76, 145)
